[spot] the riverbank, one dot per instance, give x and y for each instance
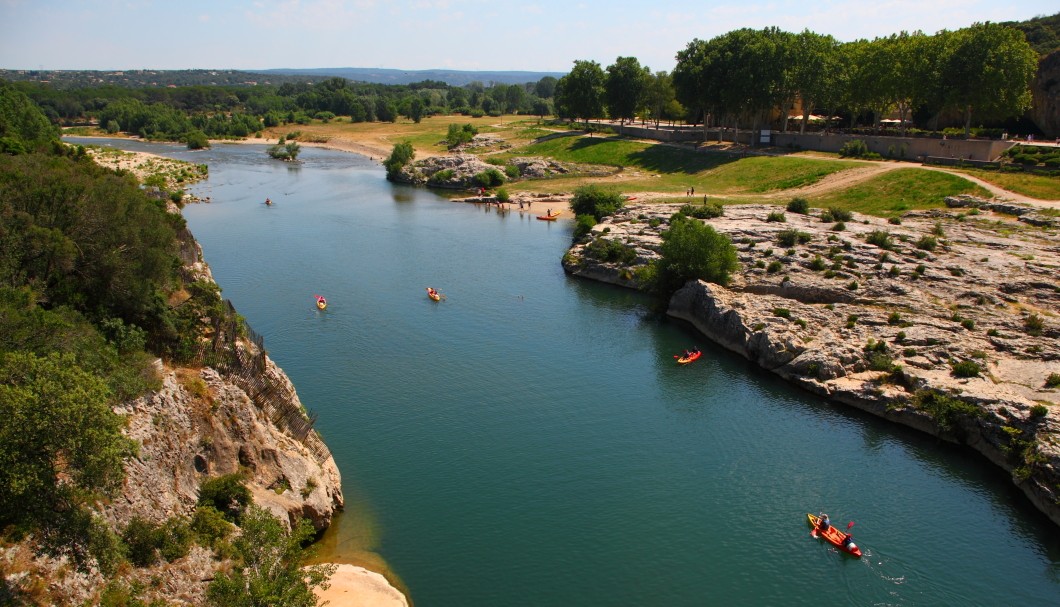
(945, 322)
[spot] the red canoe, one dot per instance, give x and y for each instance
(834, 537)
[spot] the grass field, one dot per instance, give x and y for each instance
(897, 191)
(667, 171)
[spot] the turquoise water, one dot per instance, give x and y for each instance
(530, 440)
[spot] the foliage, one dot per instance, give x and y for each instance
(1053, 381)
(270, 569)
(855, 148)
(580, 94)
(583, 224)
(692, 250)
(209, 525)
(227, 494)
(23, 127)
(196, 140)
(708, 210)
(459, 135)
(490, 178)
(965, 368)
(1033, 325)
(927, 243)
(285, 151)
(791, 236)
(596, 201)
(776, 216)
(625, 87)
(401, 155)
(146, 542)
(946, 410)
(799, 205)
(880, 238)
(56, 423)
(607, 250)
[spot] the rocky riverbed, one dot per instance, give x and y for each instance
(944, 320)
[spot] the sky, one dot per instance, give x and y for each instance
(528, 35)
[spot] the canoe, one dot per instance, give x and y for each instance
(434, 295)
(549, 217)
(684, 360)
(834, 537)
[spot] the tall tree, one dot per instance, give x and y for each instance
(580, 94)
(989, 71)
(659, 94)
(813, 72)
(625, 87)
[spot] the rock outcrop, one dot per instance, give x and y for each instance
(1045, 110)
(946, 322)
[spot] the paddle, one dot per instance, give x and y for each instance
(850, 524)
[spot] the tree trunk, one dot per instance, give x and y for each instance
(967, 122)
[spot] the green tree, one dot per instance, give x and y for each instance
(23, 126)
(596, 201)
(61, 447)
(812, 72)
(692, 250)
(658, 95)
(401, 155)
(270, 569)
(625, 87)
(580, 94)
(989, 70)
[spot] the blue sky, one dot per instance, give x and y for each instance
(535, 35)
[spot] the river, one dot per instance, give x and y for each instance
(530, 440)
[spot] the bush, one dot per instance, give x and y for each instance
(693, 250)
(880, 238)
(776, 216)
(512, 172)
(197, 140)
(442, 176)
(782, 312)
(1039, 411)
(459, 135)
(1033, 325)
(503, 196)
(799, 205)
(607, 250)
(490, 178)
(703, 211)
(1053, 381)
(774, 267)
(965, 368)
(944, 409)
(401, 155)
(596, 201)
(837, 214)
(209, 525)
(927, 243)
(791, 237)
(228, 494)
(855, 148)
(839, 226)
(817, 264)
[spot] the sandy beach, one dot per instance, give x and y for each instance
(353, 586)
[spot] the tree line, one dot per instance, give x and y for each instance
(217, 112)
(750, 78)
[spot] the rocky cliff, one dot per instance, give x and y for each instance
(1045, 110)
(945, 322)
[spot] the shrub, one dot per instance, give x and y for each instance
(693, 250)
(1039, 411)
(965, 368)
(853, 286)
(791, 237)
(774, 267)
(607, 250)
(943, 408)
(817, 264)
(490, 178)
(503, 196)
(596, 201)
(896, 221)
(839, 226)
(799, 205)
(894, 319)
(228, 494)
(855, 148)
(401, 155)
(209, 525)
(894, 272)
(459, 135)
(782, 312)
(1053, 381)
(776, 216)
(968, 323)
(880, 238)
(703, 211)
(927, 243)
(512, 172)
(1033, 325)
(442, 176)
(920, 269)
(838, 214)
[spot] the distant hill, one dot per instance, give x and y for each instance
(1043, 33)
(72, 79)
(392, 76)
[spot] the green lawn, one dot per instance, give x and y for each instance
(1041, 187)
(898, 191)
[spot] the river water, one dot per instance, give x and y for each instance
(530, 440)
